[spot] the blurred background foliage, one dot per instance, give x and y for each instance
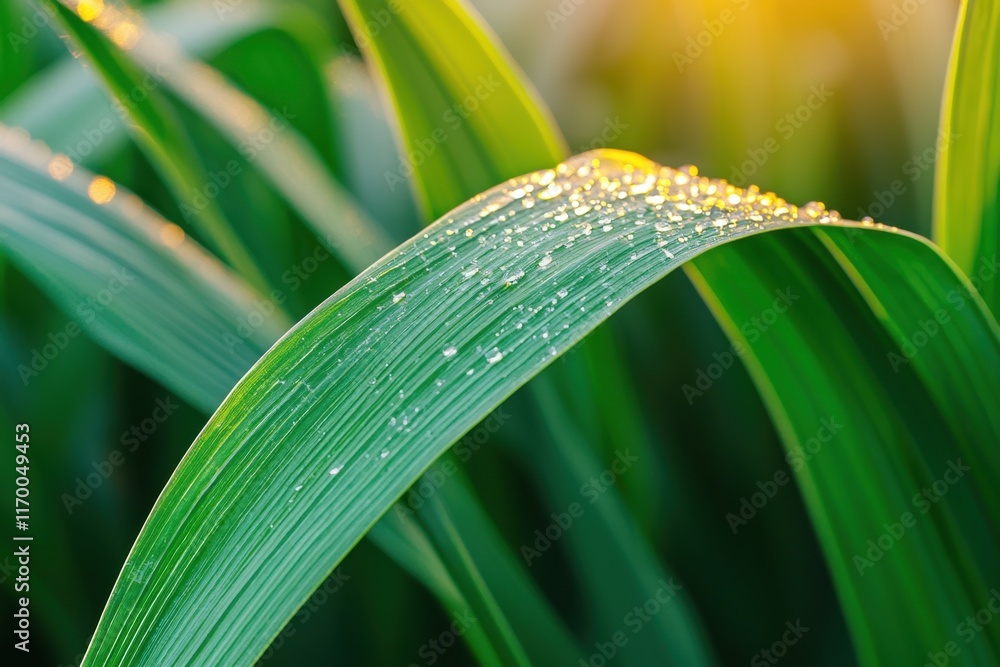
(628, 75)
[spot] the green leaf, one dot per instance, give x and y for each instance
(132, 280)
(469, 122)
(62, 102)
(291, 165)
(289, 162)
(867, 432)
(436, 61)
(966, 205)
(177, 313)
(729, 277)
(161, 136)
(342, 415)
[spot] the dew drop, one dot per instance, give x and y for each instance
(512, 278)
(449, 351)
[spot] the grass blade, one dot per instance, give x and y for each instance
(132, 280)
(966, 206)
(292, 166)
(723, 286)
(289, 453)
(476, 106)
(161, 136)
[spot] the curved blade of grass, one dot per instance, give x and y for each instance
(293, 167)
(179, 314)
(864, 434)
(294, 160)
(476, 105)
(129, 278)
(967, 179)
(360, 397)
(60, 103)
(160, 135)
(868, 603)
(462, 134)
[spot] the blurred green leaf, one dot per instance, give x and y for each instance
(967, 205)
(158, 132)
(132, 280)
(476, 105)
(291, 165)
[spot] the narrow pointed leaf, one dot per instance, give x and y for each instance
(122, 273)
(291, 464)
(289, 163)
(727, 278)
(967, 194)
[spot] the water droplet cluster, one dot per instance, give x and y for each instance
(519, 273)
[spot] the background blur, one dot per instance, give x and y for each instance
(831, 100)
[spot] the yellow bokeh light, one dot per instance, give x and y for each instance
(89, 10)
(60, 167)
(125, 35)
(101, 190)
(171, 235)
